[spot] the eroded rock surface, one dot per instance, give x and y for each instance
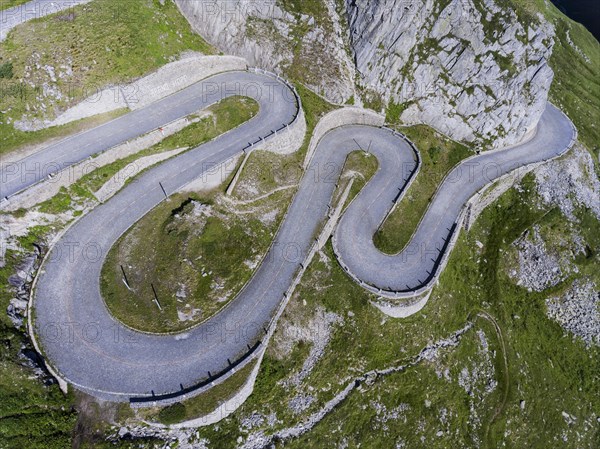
(467, 68)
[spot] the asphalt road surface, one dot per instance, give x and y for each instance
(77, 333)
(415, 266)
(101, 356)
(277, 106)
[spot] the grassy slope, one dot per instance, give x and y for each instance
(88, 47)
(201, 404)
(157, 248)
(576, 86)
(31, 415)
(5, 4)
(547, 371)
(170, 251)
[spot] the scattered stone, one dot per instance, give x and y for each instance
(180, 438)
(253, 420)
(570, 182)
(539, 267)
(260, 440)
(578, 311)
(317, 331)
(569, 419)
(300, 403)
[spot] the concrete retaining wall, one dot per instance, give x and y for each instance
(116, 183)
(165, 81)
(288, 140)
(214, 176)
(227, 407)
(402, 310)
(50, 187)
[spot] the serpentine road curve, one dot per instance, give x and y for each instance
(101, 356)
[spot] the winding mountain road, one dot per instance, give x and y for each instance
(278, 106)
(99, 355)
(416, 267)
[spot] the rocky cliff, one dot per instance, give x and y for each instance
(306, 41)
(466, 67)
(470, 68)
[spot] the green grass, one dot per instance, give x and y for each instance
(362, 166)
(576, 86)
(394, 111)
(89, 47)
(314, 8)
(314, 107)
(439, 155)
(172, 414)
(5, 4)
(172, 247)
(266, 171)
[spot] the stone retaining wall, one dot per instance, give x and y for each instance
(118, 180)
(494, 191)
(167, 80)
(288, 140)
(50, 187)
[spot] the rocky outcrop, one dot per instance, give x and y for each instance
(570, 183)
(20, 282)
(543, 265)
(468, 67)
(310, 46)
(578, 311)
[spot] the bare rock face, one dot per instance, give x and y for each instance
(311, 47)
(467, 68)
(473, 70)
